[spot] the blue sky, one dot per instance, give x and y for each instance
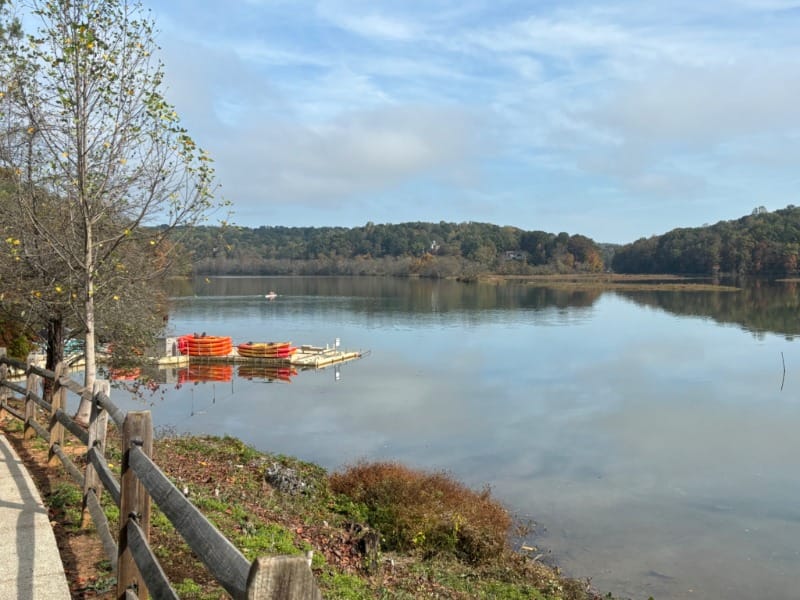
(614, 119)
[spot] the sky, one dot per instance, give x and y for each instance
(616, 119)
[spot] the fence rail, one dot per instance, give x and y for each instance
(141, 481)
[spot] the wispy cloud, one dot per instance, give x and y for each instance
(528, 114)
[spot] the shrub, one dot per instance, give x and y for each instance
(430, 512)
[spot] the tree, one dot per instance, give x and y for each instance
(101, 144)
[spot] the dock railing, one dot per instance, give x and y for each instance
(141, 481)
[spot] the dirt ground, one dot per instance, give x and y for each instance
(85, 562)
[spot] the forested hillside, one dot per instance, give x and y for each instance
(762, 243)
(428, 249)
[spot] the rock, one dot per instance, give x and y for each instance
(286, 480)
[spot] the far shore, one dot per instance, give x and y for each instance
(613, 281)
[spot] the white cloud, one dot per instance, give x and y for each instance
(360, 152)
(331, 102)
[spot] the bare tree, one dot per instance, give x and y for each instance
(91, 141)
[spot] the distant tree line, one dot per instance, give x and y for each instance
(426, 249)
(762, 243)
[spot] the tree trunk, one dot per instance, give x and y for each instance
(55, 350)
(85, 407)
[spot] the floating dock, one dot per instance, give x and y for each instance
(306, 357)
(166, 354)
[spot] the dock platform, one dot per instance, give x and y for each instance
(306, 357)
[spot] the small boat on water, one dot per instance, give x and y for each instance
(205, 345)
(271, 296)
(266, 349)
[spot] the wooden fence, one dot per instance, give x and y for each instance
(138, 571)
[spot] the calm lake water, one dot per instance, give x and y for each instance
(653, 437)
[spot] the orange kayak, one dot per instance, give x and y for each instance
(209, 345)
(266, 349)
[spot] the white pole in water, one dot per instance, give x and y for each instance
(336, 343)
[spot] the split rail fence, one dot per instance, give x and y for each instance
(138, 572)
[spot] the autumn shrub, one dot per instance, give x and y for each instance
(429, 512)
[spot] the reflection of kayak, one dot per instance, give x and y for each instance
(206, 373)
(206, 345)
(266, 349)
(267, 372)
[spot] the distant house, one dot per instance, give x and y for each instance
(515, 255)
(435, 247)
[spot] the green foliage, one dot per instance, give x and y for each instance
(20, 347)
(188, 589)
(258, 539)
(67, 499)
(426, 249)
(429, 512)
(356, 511)
(344, 586)
(761, 243)
(65, 496)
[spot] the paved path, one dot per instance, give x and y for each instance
(30, 565)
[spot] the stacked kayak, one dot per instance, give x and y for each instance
(205, 345)
(266, 349)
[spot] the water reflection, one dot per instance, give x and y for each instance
(200, 372)
(369, 294)
(760, 307)
(268, 373)
(203, 373)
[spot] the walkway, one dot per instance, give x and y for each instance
(30, 565)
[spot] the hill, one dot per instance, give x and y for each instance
(762, 243)
(427, 249)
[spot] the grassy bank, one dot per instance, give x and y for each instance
(438, 539)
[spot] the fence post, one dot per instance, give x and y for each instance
(31, 385)
(58, 401)
(4, 393)
(137, 430)
(282, 578)
(98, 427)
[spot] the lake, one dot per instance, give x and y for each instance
(651, 436)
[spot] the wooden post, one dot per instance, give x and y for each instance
(137, 430)
(4, 393)
(282, 578)
(58, 401)
(98, 427)
(31, 386)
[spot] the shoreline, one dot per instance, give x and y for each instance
(273, 504)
